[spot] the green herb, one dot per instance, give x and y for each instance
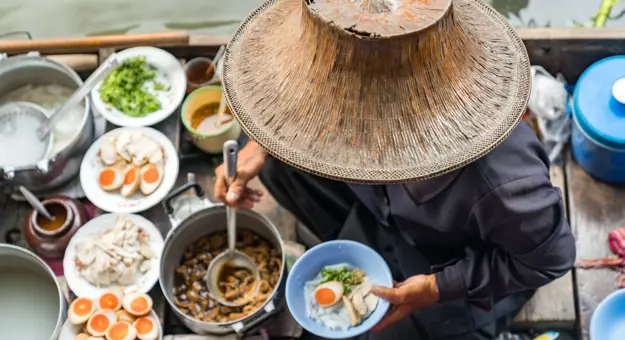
(344, 276)
(125, 88)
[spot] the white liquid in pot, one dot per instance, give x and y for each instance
(29, 305)
(19, 143)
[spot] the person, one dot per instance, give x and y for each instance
(411, 144)
(469, 247)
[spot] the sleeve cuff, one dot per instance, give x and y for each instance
(451, 283)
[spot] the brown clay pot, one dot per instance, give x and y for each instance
(51, 244)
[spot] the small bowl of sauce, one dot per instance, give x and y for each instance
(49, 238)
(200, 118)
(200, 72)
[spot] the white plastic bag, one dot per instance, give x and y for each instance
(548, 103)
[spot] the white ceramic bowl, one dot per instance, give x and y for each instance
(169, 73)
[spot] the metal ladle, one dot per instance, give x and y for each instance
(231, 257)
(36, 203)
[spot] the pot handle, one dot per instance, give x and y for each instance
(258, 321)
(199, 192)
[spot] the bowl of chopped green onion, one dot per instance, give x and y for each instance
(144, 89)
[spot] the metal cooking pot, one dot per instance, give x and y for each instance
(205, 219)
(21, 270)
(57, 170)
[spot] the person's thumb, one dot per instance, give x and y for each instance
(235, 190)
(392, 295)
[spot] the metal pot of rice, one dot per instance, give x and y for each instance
(33, 79)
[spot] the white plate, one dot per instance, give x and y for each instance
(113, 201)
(69, 330)
(82, 287)
(169, 73)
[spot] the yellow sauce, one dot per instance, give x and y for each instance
(60, 216)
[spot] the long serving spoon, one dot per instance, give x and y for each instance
(99, 74)
(218, 55)
(231, 258)
(36, 203)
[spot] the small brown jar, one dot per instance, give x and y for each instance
(49, 239)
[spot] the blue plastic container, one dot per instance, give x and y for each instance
(598, 134)
(608, 320)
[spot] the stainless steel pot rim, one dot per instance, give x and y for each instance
(73, 75)
(254, 314)
(49, 271)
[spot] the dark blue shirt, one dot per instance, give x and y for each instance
(493, 228)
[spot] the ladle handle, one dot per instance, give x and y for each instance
(218, 55)
(231, 148)
(99, 74)
(35, 203)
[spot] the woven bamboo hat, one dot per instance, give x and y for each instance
(377, 91)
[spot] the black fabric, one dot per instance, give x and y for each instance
(492, 232)
(352, 220)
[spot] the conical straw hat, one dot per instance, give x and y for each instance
(377, 91)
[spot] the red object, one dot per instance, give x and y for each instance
(616, 240)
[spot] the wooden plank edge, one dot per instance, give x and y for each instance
(181, 38)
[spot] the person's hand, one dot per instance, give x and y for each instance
(417, 292)
(250, 161)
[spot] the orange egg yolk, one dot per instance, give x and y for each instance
(82, 307)
(99, 323)
(118, 331)
(151, 175)
(144, 325)
(108, 301)
(130, 177)
(325, 296)
(107, 177)
(139, 305)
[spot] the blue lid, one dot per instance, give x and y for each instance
(598, 112)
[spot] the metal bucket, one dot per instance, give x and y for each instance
(32, 304)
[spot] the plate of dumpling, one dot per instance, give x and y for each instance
(114, 315)
(129, 170)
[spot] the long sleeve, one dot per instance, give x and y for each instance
(528, 244)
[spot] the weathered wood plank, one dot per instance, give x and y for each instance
(553, 304)
(596, 209)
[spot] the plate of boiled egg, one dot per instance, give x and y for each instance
(129, 170)
(112, 316)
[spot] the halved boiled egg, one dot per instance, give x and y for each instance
(329, 293)
(137, 304)
(131, 181)
(99, 322)
(111, 300)
(82, 336)
(151, 178)
(121, 330)
(80, 310)
(146, 329)
(122, 315)
(111, 178)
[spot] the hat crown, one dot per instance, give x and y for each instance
(381, 18)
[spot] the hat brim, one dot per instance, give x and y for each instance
(304, 108)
